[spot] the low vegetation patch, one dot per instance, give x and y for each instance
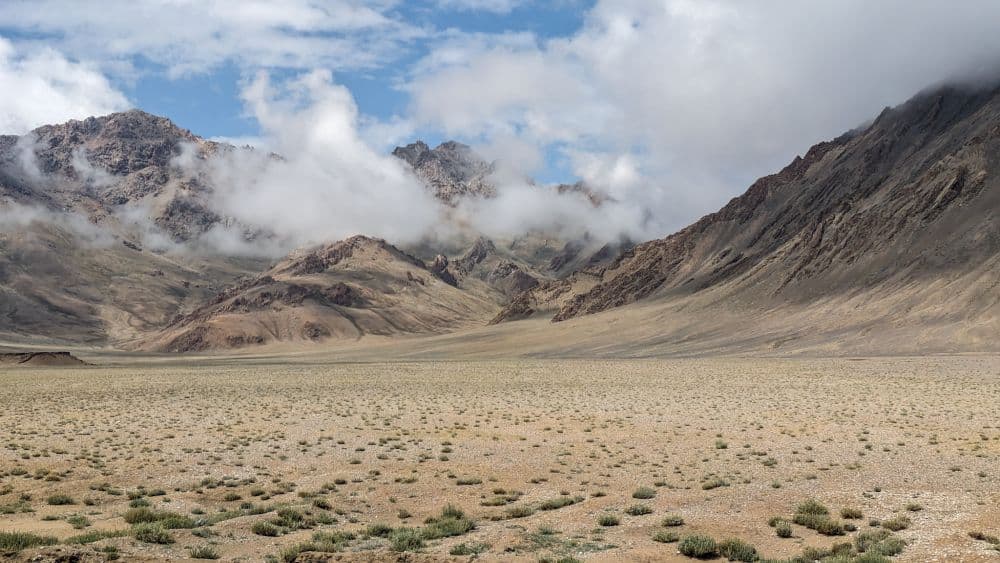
(13, 542)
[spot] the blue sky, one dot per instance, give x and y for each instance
(209, 104)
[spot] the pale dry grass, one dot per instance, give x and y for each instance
(544, 456)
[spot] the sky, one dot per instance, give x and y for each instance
(670, 107)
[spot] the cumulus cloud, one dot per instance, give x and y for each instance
(678, 105)
(327, 183)
(190, 36)
(42, 86)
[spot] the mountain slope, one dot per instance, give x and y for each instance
(896, 223)
(360, 286)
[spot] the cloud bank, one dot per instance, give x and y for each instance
(699, 98)
(43, 86)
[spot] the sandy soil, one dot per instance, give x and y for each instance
(236, 449)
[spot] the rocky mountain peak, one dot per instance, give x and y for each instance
(451, 170)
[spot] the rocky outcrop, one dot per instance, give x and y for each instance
(451, 170)
(40, 359)
(97, 165)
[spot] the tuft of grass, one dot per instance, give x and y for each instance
(663, 536)
(519, 512)
(469, 549)
(644, 493)
(639, 510)
(813, 507)
(698, 546)
(95, 536)
(673, 520)
(406, 539)
(783, 529)
(451, 522)
(821, 524)
(851, 514)
(738, 550)
(608, 520)
(204, 552)
(13, 542)
(896, 524)
(378, 530)
(60, 500)
(168, 520)
(558, 502)
(152, 532)
(263, 528)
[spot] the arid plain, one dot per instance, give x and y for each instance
(515, 460)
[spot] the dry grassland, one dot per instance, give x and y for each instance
(515, 461)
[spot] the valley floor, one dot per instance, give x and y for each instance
(543, 458)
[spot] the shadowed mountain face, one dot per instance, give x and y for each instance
(898, 219)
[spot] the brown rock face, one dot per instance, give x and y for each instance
(347, 289)
(451, 170)
(911, 198)
(98, 164)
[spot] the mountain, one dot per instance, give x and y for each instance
(360, 286)
(894, 225)
(451, 170)
(77, 203)
(100, 164)
(100, 225)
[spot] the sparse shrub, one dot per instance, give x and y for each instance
(639, 510)
(783, 529)
(263, 528)
(60, 500)
(698, 546)
(608, 520)
(519, 511)
(13, 542)
(821, 524)
(812, 506)
(644, 493)
(406, 539)
(714, 483)
(851, 513)
(204, 552)
(152, 532)
(378, 530)
(663, 536)
(672, 520)
(452, 522)
(468, 549)
(896, 524)
(738, 550)
(558, 502)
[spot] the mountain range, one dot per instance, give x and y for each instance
(889, 233)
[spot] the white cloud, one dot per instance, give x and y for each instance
(328, 183)
(190, 36)
(42, 86)
(698, 98)
(495, 6)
